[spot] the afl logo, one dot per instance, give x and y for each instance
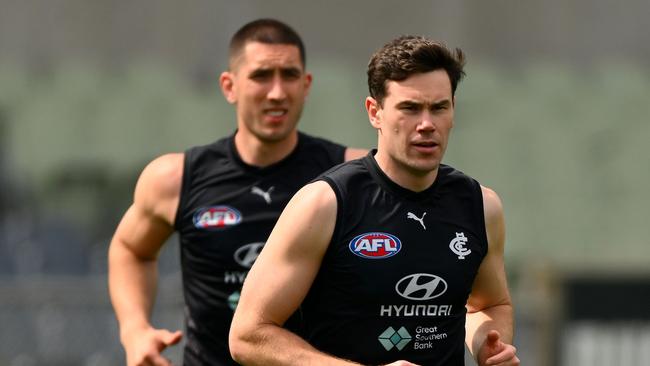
(216, 218)
(375, 245)
(421, 286)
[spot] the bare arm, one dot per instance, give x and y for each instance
(132, 259)
(490, 313)
(279, 281)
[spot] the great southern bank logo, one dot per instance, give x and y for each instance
(391, 338)
(216, 218)
(375, 245)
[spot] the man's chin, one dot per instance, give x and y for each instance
(274, 136)
(423, 168)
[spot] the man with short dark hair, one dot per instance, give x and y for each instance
(393, 257)
(223, 199)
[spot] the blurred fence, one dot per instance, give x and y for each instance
(69, 321)
(605, 319)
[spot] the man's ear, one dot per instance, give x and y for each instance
(227, 83)
(308, 80)
(374, 112)
(453, 109)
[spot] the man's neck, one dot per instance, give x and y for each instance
(411, 180)
(256, 152)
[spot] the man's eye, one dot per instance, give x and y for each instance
(259, 77)
(290, 75)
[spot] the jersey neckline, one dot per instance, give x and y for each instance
(389, 185)
(234, 155)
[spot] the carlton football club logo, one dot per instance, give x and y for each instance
(457, 245)
(216, 218)
(375, 245)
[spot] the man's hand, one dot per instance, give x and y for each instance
(402, 363)
(495, 352)
(144, 348)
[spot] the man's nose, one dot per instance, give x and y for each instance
(426, 122)
(277, 91)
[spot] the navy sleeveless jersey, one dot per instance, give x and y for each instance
(226, 211)
(397, 274)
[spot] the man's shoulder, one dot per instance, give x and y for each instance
(319, 151)
(164, 167)
(450, 174)
(220, 145)
(199, 155)
(345, 175)
(491, 202)
(310, 141)
(307, 138)
(160, 182)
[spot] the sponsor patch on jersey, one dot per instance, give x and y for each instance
(375, 245)
(246, 255)
(421, 286)
(216, 218)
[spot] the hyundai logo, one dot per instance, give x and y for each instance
(421, 286)
(247, 254)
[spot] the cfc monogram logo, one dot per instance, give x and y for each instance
(457, 245)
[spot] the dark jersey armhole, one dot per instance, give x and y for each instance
(339, 207)
(480, 216)
(185, 185)
(340, 154)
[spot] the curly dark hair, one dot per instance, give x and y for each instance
(408, 55)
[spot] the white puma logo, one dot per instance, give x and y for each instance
(266, 195)
(411, 215)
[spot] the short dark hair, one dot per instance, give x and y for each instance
(408, 55)
(266, 30)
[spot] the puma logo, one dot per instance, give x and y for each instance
(264, 194)
(411, 215)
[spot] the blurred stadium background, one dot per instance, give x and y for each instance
(554, 115)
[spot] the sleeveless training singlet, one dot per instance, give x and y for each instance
(396, 276)
(227, 210)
